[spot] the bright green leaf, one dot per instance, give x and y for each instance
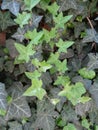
(31, 4)
(34, 36)
(88, 74)
(70, 126)
(33, 75)
(36, 62)
(53, 8)
(35, 89)
(73, 92)
(22, 19)
(2, 112)
(44, 66)
(55, 101)
(53, 58)
(84, 99)
(61, 66)
(48, 35)
(64, 45)
(60, 20)
(24, 52)
(62, 80)
(85, 123)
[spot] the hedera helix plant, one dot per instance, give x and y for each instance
(52, 63)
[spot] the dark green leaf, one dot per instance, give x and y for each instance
(45, 116)
(5, 20)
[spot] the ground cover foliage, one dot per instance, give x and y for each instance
(48, 65)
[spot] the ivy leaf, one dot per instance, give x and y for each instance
(45, 77)
(35, 89)
(22, 19)
(81, 109)
(33, 75)
(68, 113)
(36, 20)
(67, 4)
(3, 96)
(24, 52)
(5, 20)
(88, 74)
(12, 5)
(18, 107)
(70, 126)
(45, 116)
(94, 92)
(61, 66)
(55, 101)
(60, 20)
(62, 80)
(93, 61)
(14, 125)
(31, 4)
(48, 35)
(34, 36)
(92, 36)
(44, 66)
(10, 45)
(64, 45)
(19, 35)
(53, 8)
(73, 92)
(53, 58)
(43, 4)
(85, 123)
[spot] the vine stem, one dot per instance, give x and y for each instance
(90, 22)
(92, 27)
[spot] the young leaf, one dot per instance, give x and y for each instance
(61, 66)
(31, 4)
(53, 58)
(73, 92)
(55, 101)
(62, 80)
(35, 89)
(85, 99)
(53, 8)
(44, 66)
(64, 45)
(22, 19)
(85, 123)
(33, 75)
(70, 126)
(88, 74)
(60, 20)
(24, 51)
(34, 36)
(48, 35)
